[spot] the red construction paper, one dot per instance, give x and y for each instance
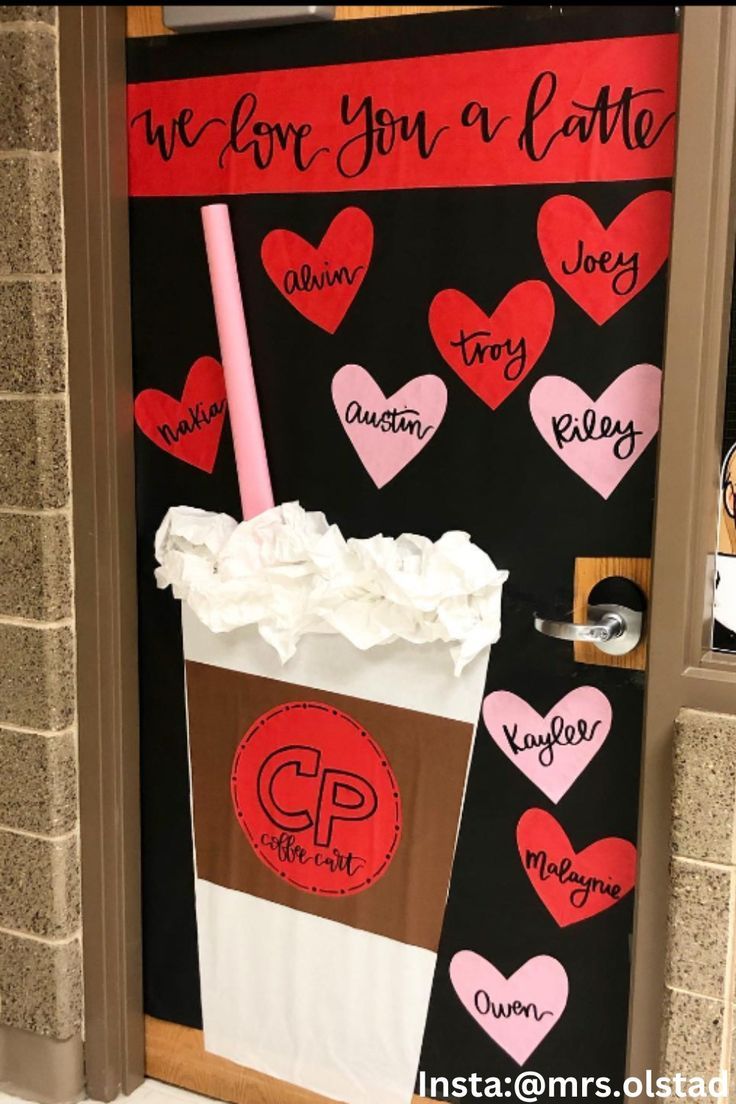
(552, 113)
(322, 281)
(317, 799)
(573, 885)
(189, 428)
(604, 267)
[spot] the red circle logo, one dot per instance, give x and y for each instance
(317, 799)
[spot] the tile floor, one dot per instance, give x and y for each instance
(150, 1092)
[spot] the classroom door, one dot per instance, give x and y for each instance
(489, 196)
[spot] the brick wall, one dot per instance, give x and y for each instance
(699, 1001)
(40, 956)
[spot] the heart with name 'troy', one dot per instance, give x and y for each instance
(493, 353)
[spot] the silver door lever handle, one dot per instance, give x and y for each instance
(610, 627)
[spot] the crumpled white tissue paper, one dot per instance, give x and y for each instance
(289, 572)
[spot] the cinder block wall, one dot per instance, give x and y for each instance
(40, 954)
(699, 1005)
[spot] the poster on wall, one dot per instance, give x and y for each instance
(724, 603)
(404, 865)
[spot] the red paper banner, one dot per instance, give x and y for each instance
(576, 111)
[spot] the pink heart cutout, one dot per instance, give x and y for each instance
(516, 1012)
(564, 414)
(387, 433)
(573, 732)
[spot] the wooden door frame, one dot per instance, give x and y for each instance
(95, 187)
(682, 672)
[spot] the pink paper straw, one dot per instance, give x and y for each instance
(254, 479)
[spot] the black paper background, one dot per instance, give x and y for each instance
(487, 472)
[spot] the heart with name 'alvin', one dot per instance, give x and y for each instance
(517, 1012)
(321, 281)
(188, 428)
(599, 439)
(552, 751)
(602, 268)
(493, 353)
(573, 885)
(387, 432)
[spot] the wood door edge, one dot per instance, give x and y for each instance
(175, 1054)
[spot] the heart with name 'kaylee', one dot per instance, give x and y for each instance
(493, 353)
(599, 439)
(322, 281)
(554, 750)
(602, 268)
(387, 433)
(516, 1012)
(573, 885)
(188, 428)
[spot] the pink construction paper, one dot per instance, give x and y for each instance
(552, 751)
(595, 429)
(387, 432)
(254, 479)
(516, 1012)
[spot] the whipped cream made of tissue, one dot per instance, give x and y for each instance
(289, 572)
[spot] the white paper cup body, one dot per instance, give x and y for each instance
(299, 996)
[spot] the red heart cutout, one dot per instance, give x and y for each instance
(493, 354)
(190, 428)
(632, 248)
(573, 885)
(321, 283)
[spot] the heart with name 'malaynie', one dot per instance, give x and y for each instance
(573, 885)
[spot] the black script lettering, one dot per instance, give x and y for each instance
(559, 735)
(476, 114)
(504, 1011)
(602, 120)
(480, 352)
(293, 853)
(263, 139)
(286, 847)
(338, 862)
(198, 417)
(567, 875)
(166, 136)
(381, 130)
(305, 279)
(594, 427)
(626, 269)
(390, 421)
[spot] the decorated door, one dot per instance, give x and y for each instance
(451, 235)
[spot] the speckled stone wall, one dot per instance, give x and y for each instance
(40, 953)
(701, 990)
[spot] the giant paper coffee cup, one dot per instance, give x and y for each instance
(326, 799)
(333, 688)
